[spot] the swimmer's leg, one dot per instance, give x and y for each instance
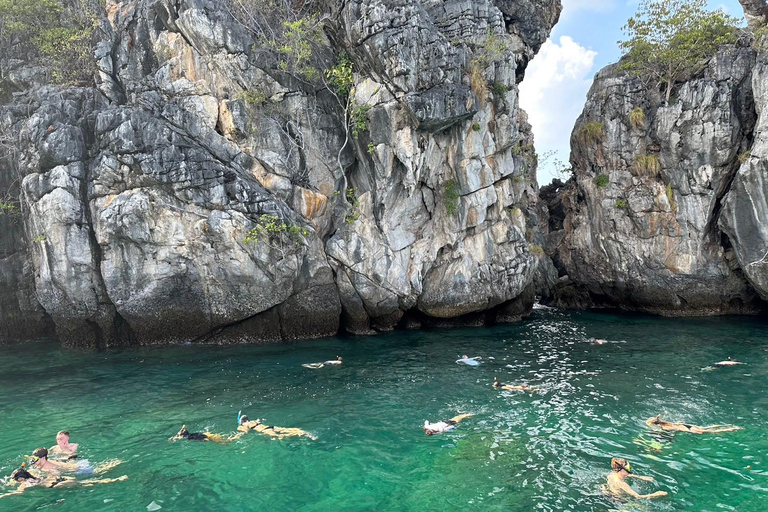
(94, 481)
(106, 466)
(715, 429)
(460, 417)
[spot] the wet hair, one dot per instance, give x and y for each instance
(62, 433)
(243, 419)
(619, 464)
(41, 453)
(21, 474)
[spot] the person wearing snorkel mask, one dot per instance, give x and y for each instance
(618, 486)
(23, 479)
(204, 436)
(657, 422)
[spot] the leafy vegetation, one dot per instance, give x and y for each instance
(54, 33)
(622, 203)
(637, 118)
(354, 202)
(744, 156)
(669, 40)
(491, 49)
(451, 198)
(590, 133)
(359, 120)
(601, 181)
(476, 127)
(8, 208)
(671, 197)
(647, 165)
(276, 233)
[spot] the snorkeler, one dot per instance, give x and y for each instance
(244, 425)
(332, 362)
(512, 387)
(617, 485)
(39, 460)
(443, 426)
(204, 436)
(63, 449)
(24, 480)
(728, 362)
(469, 361)
(656, 421)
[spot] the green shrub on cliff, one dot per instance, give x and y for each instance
(668, 41)
(590, 133)
(637, 118)
(451, 198)
(51, 33)
(647, 165)
(601, 181)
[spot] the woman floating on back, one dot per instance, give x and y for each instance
(23, 479)
(657, 422)
(512, 387)
(332, 362)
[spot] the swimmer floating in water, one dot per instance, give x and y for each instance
(617, 486)
(39, 460)
(63, 449)
(204, 436)
(443, 426)
(469, 361)
(244, 425)
(728, 362)
(332, 362)
(24, 480)
(656, 421)
(512, 387)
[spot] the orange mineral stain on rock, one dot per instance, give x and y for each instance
(311, 204)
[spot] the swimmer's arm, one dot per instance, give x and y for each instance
(627, 489)
(16, 491)
(644, 478)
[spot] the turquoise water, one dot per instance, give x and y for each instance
(548, 451)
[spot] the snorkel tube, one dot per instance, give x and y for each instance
(239, 415)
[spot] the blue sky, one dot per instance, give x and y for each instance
(558, 78)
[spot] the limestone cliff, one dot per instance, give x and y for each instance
(412, 202)
(667, 207)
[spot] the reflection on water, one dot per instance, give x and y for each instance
(548, 450)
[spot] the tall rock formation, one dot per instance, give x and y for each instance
(139, 196)
(643, 214)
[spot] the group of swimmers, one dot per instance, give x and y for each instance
(44, 468)
(47, 465)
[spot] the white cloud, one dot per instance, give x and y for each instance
(553, 93)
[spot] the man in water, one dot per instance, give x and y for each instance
(204, 436)
(332, 362)
(63, 449)
(443, 426)
(469, 361)
(245, 425)
(728, 362)
(24, 480)
(39, 460)
(617, 486)
(512, 387)
(657, 422)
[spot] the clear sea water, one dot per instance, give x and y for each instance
(548, 451)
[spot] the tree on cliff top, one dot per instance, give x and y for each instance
(670, 40)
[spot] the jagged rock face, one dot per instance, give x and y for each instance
(641, 227)
(138, 195)
(744, 218)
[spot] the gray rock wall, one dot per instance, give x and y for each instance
(138, 194)
(641, 229)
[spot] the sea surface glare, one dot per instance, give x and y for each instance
(548, 451)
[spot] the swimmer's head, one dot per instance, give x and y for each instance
(655, 420)
(243, 419)
(38, 455)
(619, 465)
(62, 437)
(183, 432)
